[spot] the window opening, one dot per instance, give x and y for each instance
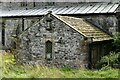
(48, 50)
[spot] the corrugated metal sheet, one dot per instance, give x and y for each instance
(68, 10)
(107, 8)
(83, 8)
(60, 0)
(94, 8)
(113, 9)
(101, 8)
(87, 9)
(74, 10)
(61, 11)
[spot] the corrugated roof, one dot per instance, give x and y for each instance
(60, 0)
(83, 8)
(86, 28)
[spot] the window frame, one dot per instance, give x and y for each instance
(48, 53)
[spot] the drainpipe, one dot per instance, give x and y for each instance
(3, 34)
(22, 24)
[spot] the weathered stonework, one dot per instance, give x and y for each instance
(10, 29)
(69, 47)
(108, 23)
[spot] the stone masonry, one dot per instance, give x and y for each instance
(10, 26)
(68, 46)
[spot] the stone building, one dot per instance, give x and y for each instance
(78, 35)
(24, 14)
(62, 41)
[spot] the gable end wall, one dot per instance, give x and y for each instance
(69, 46)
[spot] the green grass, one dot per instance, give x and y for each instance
(12, 70)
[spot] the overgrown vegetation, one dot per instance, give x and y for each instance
(116, 43)
(11, 70)
(112, 59)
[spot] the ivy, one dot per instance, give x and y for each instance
(116, 43)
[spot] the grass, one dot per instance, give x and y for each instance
(0, 66)
(12, 70)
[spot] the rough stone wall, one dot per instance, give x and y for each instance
(107, 23)
(11, 25)
(68, 49)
